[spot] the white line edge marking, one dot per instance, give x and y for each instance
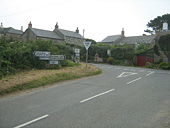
(32, 121)
(150, 72)
(133, 80)
(96, 95)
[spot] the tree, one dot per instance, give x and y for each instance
(157, 23)
(92, 41)
(164, 43)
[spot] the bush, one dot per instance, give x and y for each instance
(164, 65)
(151, 65)
(68, 63)
(110, 60)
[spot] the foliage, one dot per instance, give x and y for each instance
(110, 60)
(156, 23)
(17, 56)
(156, 50)
(164, 43)
(68, 63)
(164, 65)
(142, 47)
(92, 41)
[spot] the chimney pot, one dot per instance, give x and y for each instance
(123, 32)
(30, 25)
(1, 25)
(22, 28)
(56, 26)
(77, 30)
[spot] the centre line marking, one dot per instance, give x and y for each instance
(133, 80)
(149, 73)
(32, 121)
(96, 95)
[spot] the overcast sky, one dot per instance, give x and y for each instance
(99, 18)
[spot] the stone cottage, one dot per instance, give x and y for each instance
(131, 40)
(39, 34)
(70, 36)
(57, 35)
(11, 33)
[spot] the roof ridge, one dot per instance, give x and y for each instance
(42, 29)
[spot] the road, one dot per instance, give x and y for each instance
(120, 97)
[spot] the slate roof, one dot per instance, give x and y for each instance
(137, 39)
(10, 30)
(70, 33)
(110, 39)
(45, 33)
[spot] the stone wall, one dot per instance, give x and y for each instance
(76, 41)
(54, 40)
(28, 36)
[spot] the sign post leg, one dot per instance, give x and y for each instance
(86, 57)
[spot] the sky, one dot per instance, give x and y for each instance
(99, 18)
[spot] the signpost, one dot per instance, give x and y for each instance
(53, 62)
(57, 57)
(87, 45)
(42, 53)
(45, 55)
(77, 55)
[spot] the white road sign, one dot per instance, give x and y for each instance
(76, 50)
(87, 44)
(42, 53)
(53, 62)
(57, 57)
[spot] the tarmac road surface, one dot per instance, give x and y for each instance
(121, 97)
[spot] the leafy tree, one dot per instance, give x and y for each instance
(156, 23)
(142, 48)
(164, 43)
(92, 41)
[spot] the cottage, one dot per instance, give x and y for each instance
(40, 34)
(70, 36)
(11, 33)
(57, 35)
(132, 40)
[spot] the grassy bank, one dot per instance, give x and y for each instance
(37, 78)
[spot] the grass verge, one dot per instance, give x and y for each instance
(45, 77)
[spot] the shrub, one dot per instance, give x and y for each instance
(110, 60)
(164, 65)
(68, 63)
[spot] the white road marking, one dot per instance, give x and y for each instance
(150, 72)
(133, 80)
(125, 74)
(96, 96)
(32, 121)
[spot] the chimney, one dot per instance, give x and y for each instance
(22, 28)
(30, 25)
(77, 30)
(123, 32)
(83, 32)
(1, 25)
(56, 26)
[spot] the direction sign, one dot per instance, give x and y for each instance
(44, 58)
(57, 57)
(76, 50)
(87, 44)
(42, 53)
(53, 62)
